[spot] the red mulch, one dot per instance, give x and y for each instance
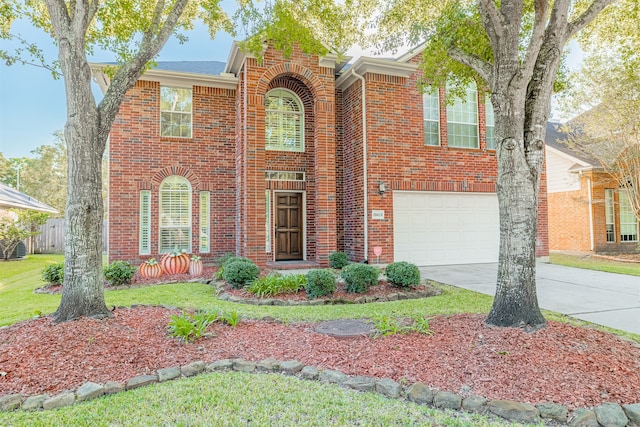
(563, 364)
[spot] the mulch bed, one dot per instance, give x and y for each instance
(564, 364)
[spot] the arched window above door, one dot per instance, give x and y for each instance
(284, 124)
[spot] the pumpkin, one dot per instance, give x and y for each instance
(150, 269)
(195, 267)
(175, 263)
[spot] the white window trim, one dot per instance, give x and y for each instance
(434, 92)
(190, 210)
(301, 126)
(267, 197)
(205, 222)
(487, 105)
(145, 223)
(477, 123)
(179, 112)
(609, 204)
(634, 222)
(269, 176)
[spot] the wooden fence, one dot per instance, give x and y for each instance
(51, 237)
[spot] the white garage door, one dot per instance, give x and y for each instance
(445, 228)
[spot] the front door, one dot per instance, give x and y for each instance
(288, 226)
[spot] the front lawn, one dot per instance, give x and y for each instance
(593, 263)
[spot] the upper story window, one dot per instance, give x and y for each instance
(175, 112)
(431, 109)
(284, 126)
(462, 120)
(175, 214)
(490, 123)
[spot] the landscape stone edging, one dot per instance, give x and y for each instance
(394, 296)
(418, 393)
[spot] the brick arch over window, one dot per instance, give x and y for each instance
(294, 72)
(296, 86)
(193, 179)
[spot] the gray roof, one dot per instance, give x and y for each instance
(10, 198)
(557, 139)
(213, 68)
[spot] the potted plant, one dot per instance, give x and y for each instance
(176, 262)
(150, 269)
(195, 266)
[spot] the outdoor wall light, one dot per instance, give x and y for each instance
(381, 188)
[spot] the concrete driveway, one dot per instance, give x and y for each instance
(604, 298)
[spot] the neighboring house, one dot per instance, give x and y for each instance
(10, 198)
(587, 210)
(295, 158)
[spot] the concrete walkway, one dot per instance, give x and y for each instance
(607, 299)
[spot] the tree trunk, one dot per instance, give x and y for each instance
(83, 290)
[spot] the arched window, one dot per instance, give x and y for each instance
(284, 126)
(175, 214)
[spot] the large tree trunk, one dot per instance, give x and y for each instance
(82, 293)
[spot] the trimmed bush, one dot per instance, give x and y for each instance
(338, 260)
(54, 273)
(403, 274)
(119, 273)
(276, 283)
(320, 283)
(240, 273)
(226, 259)
(360, 277)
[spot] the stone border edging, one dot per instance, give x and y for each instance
(606, 414)
(394, 296)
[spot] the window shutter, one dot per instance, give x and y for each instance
(205, 210)
(145, 222)
(175, 215)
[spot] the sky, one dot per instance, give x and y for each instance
(32, 103)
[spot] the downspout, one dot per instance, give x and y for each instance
(364, 165)
(591, 237)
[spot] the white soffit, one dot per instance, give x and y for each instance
(365, 65)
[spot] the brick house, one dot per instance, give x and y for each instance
(295, 158)
(587, 210)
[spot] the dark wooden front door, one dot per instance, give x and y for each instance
(288, 226)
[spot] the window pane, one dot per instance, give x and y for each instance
(267, 196)
(145, 223)
(175, 214)
(284, 122)
(175, 112)
(609, 213)
(490, 123)
(462, 121)
(205, 199)
(431, 108)
(628, 221)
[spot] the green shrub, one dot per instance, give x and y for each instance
(402, 274)
(189, 327)
(240, 273)
(338, 260)
(54, 273)
(386, 325)
(276, 283)
(320, 283)
(360, 277)
(226, 259)
(119, 273)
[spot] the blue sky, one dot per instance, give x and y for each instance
(32, 103)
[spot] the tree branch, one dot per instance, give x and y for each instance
(479, 65)
(492, 21)
(537, 35)
(60, 19)
(583, 20)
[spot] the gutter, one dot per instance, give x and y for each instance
(364, 165)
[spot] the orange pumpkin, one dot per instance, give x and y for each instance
(195, 267)
(150, 270)
(175, 263)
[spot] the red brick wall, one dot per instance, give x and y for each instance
(140, 159)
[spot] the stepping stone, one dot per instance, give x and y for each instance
(346, 328)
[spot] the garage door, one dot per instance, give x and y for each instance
(445, 228)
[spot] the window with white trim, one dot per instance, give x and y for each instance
(175, 112)
(205, 210)
(145, 223)
(175, 215)
(609, 215)
(284, 124)
(628, 220)
(431, 112)
(489, 123)
(462, 120)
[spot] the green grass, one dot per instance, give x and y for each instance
(590, 263)
(239, 399)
